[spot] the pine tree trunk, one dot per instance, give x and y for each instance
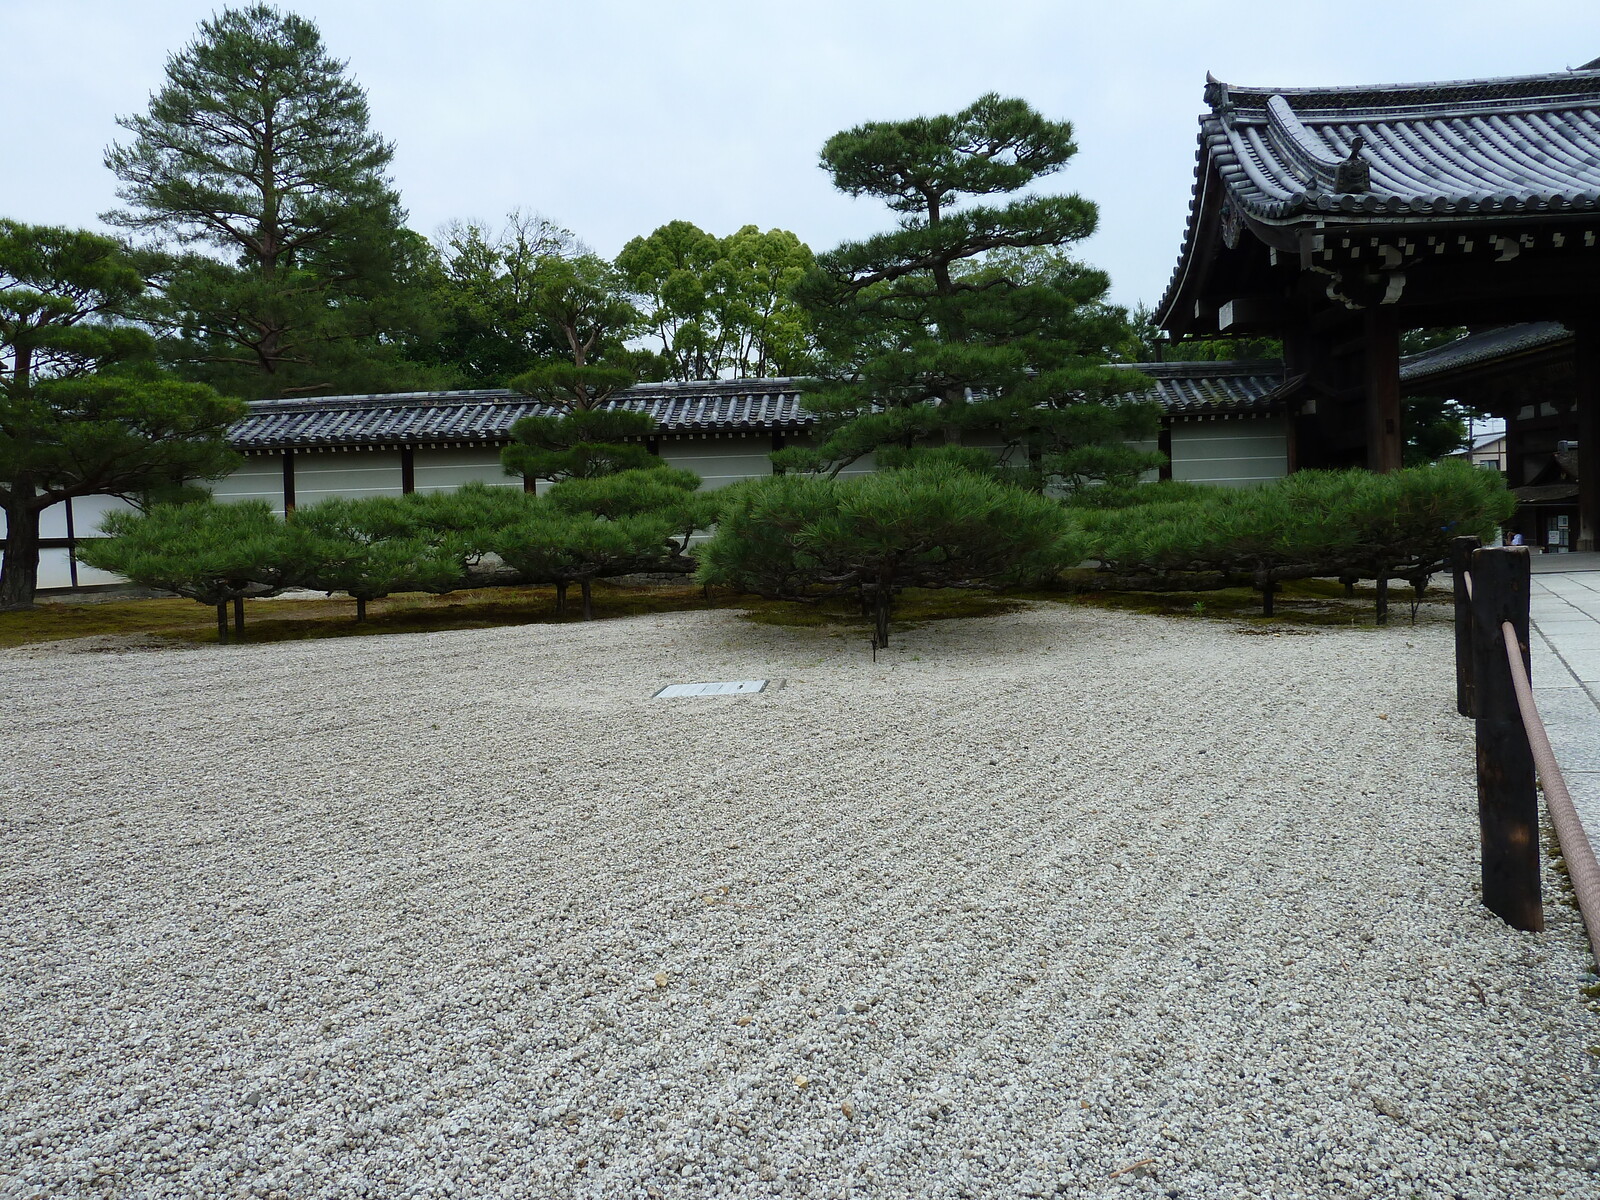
(1383, 598)
(588, 599)
(561, 597)
(238, 618)
(1269, 589)
(361, 609)
(19, 571)
(222, 621)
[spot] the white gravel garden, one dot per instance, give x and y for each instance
(1056, 903)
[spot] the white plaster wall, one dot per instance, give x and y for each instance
(1233, 453)
(1148, 446)
(319, 475)
(720, 461)
(55, 565)
(444, 470)
(259, 477)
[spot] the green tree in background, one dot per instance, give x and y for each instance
(257, 150)
(945, 327)
(481, 291)
(82, 411)
(721, 305)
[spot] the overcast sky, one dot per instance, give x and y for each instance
(615, 116)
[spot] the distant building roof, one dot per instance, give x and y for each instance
(1479, 348)
(732, 405)
(1186, 389)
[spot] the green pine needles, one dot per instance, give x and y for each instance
(969, 321)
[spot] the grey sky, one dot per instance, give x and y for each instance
(615, 116)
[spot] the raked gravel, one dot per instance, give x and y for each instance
(1056, 903)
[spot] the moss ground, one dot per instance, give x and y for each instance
(1308, 602)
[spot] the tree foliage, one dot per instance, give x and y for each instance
(1350, 524)
(932, 525)
(481, 282)
(967, 318)
(634, 522)
(584, 303)
(721, 306)
(213, 553)
(257, 151)
(362, 549)
(82, 410)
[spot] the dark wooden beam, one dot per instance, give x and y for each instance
(288, 482)
(1586, 355)
(408, 470)
(1382, 386)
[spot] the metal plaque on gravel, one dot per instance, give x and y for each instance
(739, 687)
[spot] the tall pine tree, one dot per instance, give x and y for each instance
(952, 325)
(257, 150)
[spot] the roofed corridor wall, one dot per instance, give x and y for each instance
(1236, 452)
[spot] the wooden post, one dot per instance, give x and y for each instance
(1508, 804)
(1461, 549)
(408, 470)
(1382, 388)
(1586, 361)
(288, 482)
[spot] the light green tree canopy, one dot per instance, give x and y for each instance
(721, 305)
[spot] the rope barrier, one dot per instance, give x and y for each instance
(1582, 868)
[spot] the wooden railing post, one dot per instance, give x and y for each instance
(1461, 549)
(1508, 804)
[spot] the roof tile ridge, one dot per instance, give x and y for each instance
(1568, 83)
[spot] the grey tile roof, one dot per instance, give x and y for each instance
(486, 416)
(1478, 348)
(1190, 389)
(1485, 147)
(754, 405)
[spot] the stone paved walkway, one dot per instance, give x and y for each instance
(1566, 671)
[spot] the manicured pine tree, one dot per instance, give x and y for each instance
(946, 326)
(583, 301)
(216, 554)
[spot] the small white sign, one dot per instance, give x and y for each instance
(739, 687)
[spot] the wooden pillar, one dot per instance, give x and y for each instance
(288, 482)
(1586, 361)
(408, 470)
(1381, 388)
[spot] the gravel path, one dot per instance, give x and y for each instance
(1035, 900)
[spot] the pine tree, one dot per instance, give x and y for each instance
(583, 302)
(953, 323)
(82, 410)
(257, 150)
